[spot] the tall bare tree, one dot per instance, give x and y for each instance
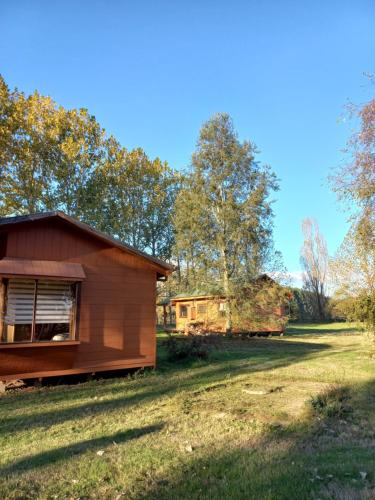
(354, 181)
(314, 261)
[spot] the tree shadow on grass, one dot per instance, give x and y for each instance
(282, 351)
(248, 356)
(327, 457)
(50, 457)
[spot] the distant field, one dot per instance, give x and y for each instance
(237, 426)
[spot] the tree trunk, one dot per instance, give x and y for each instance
(153, 247)
(320, 307)
(164, 315)
(179, 271)
(226, 288)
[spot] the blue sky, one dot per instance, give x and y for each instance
(152, 71)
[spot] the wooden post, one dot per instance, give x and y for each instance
(165, 315)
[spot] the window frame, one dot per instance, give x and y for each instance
(185, 307)
(74, 315)
(221, 309)
(200, 307)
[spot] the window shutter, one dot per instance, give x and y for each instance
(20, 302)
(54, 302)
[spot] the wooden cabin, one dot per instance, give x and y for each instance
(207, 313)
(205, 310)
(73, 300)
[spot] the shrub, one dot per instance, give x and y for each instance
(365, 310)
(342, 309)
(191, 347)
(332, 403)
(356, 308)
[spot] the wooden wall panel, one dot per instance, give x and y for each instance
(117, 312)
(36, 359)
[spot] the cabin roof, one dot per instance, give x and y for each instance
(10, 221)
(196, 295)
(201, 294)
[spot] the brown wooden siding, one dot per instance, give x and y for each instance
(212, 320)
(117, 306)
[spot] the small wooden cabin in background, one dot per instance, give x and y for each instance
(207, 312)
(72, 299)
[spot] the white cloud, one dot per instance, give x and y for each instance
(295, 278)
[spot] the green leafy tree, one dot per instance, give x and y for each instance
(138, 197)
(52, 158)
(27, 129)
(354, 182)
(352, 271)
(223, 218)
(78, 152)
(353, 268)
(7, 127)
(48, 154)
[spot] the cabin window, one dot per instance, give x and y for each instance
(38, 310)
(202, 309)
(3, 245)
(222, 309)
(183, 311)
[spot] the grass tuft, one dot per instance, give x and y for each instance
(192, 347)
(334, 402)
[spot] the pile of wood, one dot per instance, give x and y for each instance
(195, 328)
(11, 384)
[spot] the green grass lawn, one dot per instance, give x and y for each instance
(236, 426)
